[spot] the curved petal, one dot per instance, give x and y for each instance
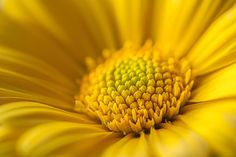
(24, 114)
(28, 39)
(217, 85)
(7, 141)
(215, 121)
(133, 19)
(24, 77)
(129, 146)
(66, 139)
(19, 117)
(217, 46)
(177, 140)
(178, 24)
(84, 28)
(28, 65)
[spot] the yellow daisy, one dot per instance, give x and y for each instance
(120, 78)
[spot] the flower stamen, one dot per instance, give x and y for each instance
(135, 90)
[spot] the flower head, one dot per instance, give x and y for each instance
(117, 78)
(135, 90)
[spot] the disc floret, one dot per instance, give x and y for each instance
(132, 92)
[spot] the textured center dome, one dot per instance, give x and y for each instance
(135, 90)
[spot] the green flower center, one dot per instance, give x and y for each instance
(134, 93)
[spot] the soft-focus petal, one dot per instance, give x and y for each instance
(27, 38)
(7, 141)
(217, 46)
(177, 140)
(178, 24)
(129, 146)
(17, 118)
(24, 114)
(217, 85)
(24, 77)
(69, 139)
(84, 28)
(132, 18)
(215, 121)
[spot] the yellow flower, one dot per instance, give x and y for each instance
(122, 78)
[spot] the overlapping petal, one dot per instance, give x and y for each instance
(178, 24)
(129, 146)
(20, 114)
(69, 139)
(215, 122)
(217, 46)
(218, 85)
(177, 140)
(84, 29)
(132, 19)
(28, 39)
(24, 77)
(19, 117)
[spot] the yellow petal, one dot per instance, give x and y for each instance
(29, 65)
(82, 27)
(132, 18)
(19, 117)
(25, 77)
(129, 146)
(177, 24)
(29, 39)
(66, 139)
(28, 114)
(217, 45)
(7, 141)
(13, 94)
(220, 84)
(177, 140)
(215, 122)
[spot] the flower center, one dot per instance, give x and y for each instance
(135, 90)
